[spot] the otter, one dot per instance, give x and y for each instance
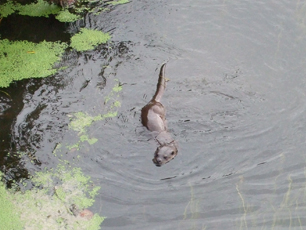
(153, 117)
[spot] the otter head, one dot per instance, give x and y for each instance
(164, 154)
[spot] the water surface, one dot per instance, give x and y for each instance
(235, 103)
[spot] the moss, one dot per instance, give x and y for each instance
(81, 121)
(87, 39)
(117, 104)
(57, 148)
(49, 208)
(119, 2)
(23, 59)
(60, 193)
(91, 141)
(117, 88)
(66, 16)
(39, 9)
(7, 9)
(44, 9)
(83, 138)
(9, 219)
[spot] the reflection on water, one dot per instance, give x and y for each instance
(235, 102)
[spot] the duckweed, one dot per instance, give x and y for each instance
(22, 59)
(66, 16)
(87, 39)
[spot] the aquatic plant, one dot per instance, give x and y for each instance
(55, 202)
(7, 9)
(282, 208)
(43, 9)
(39, 9)
(191, 213)
(22, 59)
(119, 2)
(87, 39)
(9, 219)
(80, 121)
(66, 16)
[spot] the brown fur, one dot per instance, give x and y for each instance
(153, 117)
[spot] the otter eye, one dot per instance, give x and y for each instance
(165, 157)
(172, 153)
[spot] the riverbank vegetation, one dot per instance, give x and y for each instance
(36, 60)
(55, 198)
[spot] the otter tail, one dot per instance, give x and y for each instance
(161, 85)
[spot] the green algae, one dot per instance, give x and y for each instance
(80, 121)
(43, 9)
(57, 149)
(39, 9)
(49, 204)
(88, 39)
(119, 2)
(7, 9)
(55, 201)
(22, 59)
(66, 16)
(117, 88)
(9, 218)
(82, 139)
(90, 141)
(75, 187)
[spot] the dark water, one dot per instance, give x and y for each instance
(235, 103)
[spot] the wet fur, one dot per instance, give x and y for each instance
(153, 117)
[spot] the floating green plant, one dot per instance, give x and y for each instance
(87, 39)
(66, 16)
(83, 138)
(22, 59)
(119, 2)
(43, 9)
(7, 9)
(57, 199)
(39, 9)
(80, 121)
(9, 218)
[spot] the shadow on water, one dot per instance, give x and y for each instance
(33, 29)
(34, 112)
(235, 103)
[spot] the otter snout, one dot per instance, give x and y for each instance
(158, 162)
(164, 154)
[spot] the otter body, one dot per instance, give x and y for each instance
(153, 117)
